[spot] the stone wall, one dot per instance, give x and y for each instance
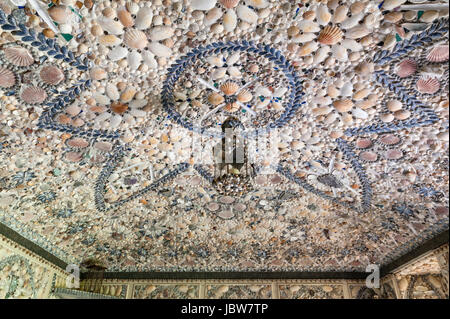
(24, 275)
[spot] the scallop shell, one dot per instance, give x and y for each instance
(368, 156)
(125, 18)
(19, 56)
(232, 107)
(428, 85)
(330, 35)
(135, 39)
(144, 18)
(438, 54)
(406, 68)
(244, 96)
(77, 142)
(33, 95)
(51, 74)
(7, 78)
(229, 88)
(229, 3)
(118, 107)
(343, 105)
(216, 99)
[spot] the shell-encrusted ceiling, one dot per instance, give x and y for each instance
(104, 103)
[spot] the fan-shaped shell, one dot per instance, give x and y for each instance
(135, 39)
(77, 142)
(229, 3)
(232, 107)
(33, 95)
(229, 88)
(244, 96)
(7, 78)
(19, 56)
(215, 98)
(330, 35)
(406, 68)
(343, 105)
(439, 53)
(428, 85)
(51, 74)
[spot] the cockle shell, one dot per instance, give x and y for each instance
(18, 56)
(340, 14)
(343, 105)
(439, 53)
(232, 107)
(216, 99)
(230, 21)
(229, 88)
(7, 78)
(77, 142)
(134, 60)
(406, 68)
(339, 52)
(330, 35)
(59, 14)
(125, 18)
(109, 40)
(144, 18)
(246, 14)
(229, 4)
(51, 74)
(33, 95)
(428, 85)
(149, 59)
(135, 39)
(244, 96)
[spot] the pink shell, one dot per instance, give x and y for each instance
(33, 95)
(78, 142)
(438, 54)
(368, 156)
(394, 154)
(226, 200)
(389, 139)
(428, 85)
(103, 146)
(51, 74)
(19, 56)
(363, 143)
(406, 68)
(7, 78)
(73, 156)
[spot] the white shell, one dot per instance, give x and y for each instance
(340, 14)
(357, 32)
(137, 104)
(352, 21)
(246, 14)
(144, 18)
(212, 16)
(339, 52)
(117, 53)
(138, 113)
(203, 4)
(232, 59)
(218, 73)
(214, 60)
(159, 49)
(308, 26)
(134, 60)
(112, 92)
(347, 89)
(149, 59)
(352, 45)
(101, 99)
(234, 72)
(260, 4)
(161, 33)
(280, 92)
(360, 114)
(303, 37)
(263, 91)
(322, 15)
(229, 21)
(111, 26)
(391, 4)
(115, 121)
(321, 54)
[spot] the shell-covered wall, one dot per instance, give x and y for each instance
(23, 275)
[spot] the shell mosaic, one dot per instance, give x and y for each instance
(99, 121)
